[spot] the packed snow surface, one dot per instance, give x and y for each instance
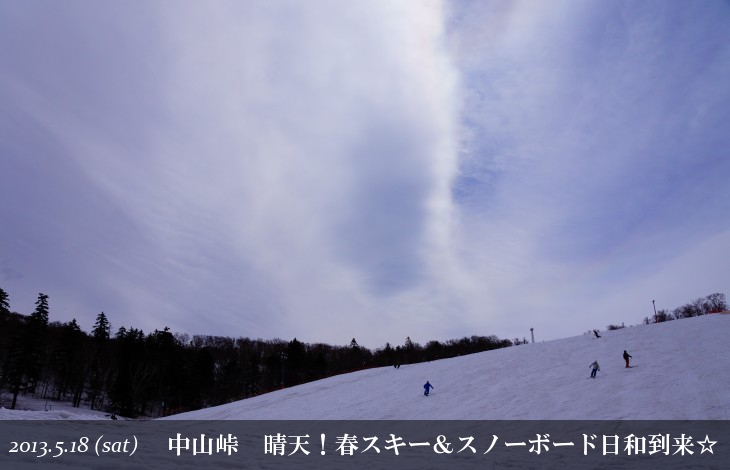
(681, 373)
(30, 408)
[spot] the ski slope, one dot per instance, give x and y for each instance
(683, 373)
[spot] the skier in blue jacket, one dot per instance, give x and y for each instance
(426, 388)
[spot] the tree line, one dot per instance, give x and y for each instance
(134, 374)
(712, 303)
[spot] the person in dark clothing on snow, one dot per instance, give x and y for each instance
(595, 332)
(596, 368)
(426, 388)
(626, 358)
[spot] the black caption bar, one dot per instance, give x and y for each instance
(368, 444)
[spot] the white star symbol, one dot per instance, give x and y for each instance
(707, 442)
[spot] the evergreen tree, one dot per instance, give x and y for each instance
(4, 302)
(24, 362)
(295, 363)
(389, 355)
(355, 359)
(102, 328)
(132, 376)
(39, 317)
(407, 349)
(163, 358)
(68, 361)
(36, 340)
(13, 370)
(101, 360)
(8, 330)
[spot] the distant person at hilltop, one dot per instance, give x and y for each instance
(595, 332)
(626, 358)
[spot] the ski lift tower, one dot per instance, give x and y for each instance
(532, 332)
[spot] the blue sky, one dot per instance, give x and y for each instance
(333, 170)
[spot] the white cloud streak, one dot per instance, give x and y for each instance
(591, 154)
(291, 172)
(377, 170)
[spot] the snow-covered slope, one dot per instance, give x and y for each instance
(683, 373)
(31, 408)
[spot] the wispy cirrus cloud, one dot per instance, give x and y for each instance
(594, 147)
(276, 164)
(329, 170)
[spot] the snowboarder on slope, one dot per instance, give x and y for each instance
(426, 388)
(596, 368)
(595, 332)
(626, 358)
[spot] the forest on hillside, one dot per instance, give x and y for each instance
(132, 373)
